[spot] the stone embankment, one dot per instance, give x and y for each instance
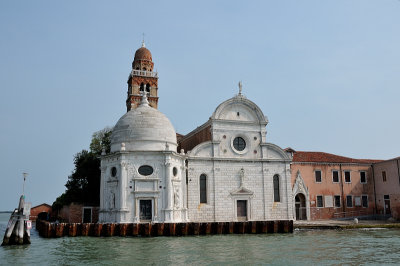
(344, 224)
(52, 230)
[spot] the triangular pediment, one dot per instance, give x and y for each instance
(300, 185)
(242, 191)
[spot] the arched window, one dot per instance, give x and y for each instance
(203, 188)
(277, 197)
(141, 86)
(148, 88)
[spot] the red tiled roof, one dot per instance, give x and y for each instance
(323, 157)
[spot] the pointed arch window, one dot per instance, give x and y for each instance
(203, 188)
(148, 88)
(141, 86)
(277, 197)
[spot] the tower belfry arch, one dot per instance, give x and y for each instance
(142, 78)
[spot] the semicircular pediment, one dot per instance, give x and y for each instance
(239, 108)
(202, 150)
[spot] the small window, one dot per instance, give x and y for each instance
(203, 188)
(320, 202)
(357, 201)
(386, 197)
(337, 201)
(365, 201)
(145, 170)
(113, 171)
(277, 197)
(335, 176)
(363, 177)
(239, 144)
(318, 177)
(349, 201)
(174, 171)
(384, 176)
(347, 177)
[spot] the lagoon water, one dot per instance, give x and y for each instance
(377, 246)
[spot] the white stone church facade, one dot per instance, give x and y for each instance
(225, 170)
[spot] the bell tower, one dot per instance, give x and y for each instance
(142, 78)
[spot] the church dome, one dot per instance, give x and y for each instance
(143, 54)
(143, 129)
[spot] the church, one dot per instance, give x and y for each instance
(223, 171)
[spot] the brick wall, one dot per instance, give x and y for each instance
(38, 209)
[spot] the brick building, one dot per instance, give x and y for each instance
(44, 210)
(329, 186)
(387, 183)
(78, 213)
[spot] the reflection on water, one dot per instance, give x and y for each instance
(301, 247)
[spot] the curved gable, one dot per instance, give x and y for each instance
(202, 150)
(276, 152)
(239, 108)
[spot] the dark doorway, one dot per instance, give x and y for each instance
(145, 210)
(301, 211)
(87, 215)
(242, 210)
(387, 204)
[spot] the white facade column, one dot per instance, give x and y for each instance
(168, 201)
(122, 194)
(102, 200)
(102, 180)
(155, 217)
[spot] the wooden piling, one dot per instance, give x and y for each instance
(97, 229)
(49, 230)
(123, 229)
(135, 229)
(85, 229)
(17, 231)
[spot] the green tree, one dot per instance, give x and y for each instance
(83, 185)
(101, 140)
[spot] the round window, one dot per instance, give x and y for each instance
(145, 170)
(239, 144)
(174, 171)
(113, 172)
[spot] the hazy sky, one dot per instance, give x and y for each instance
(326, 73)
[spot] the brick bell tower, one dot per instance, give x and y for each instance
(142, 78)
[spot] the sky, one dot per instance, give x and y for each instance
(326, 73)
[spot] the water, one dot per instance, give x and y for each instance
(376, 246)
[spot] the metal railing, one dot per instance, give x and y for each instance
(143, 73)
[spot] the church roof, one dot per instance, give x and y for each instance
(323, 157)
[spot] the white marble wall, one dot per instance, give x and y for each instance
(120, 195)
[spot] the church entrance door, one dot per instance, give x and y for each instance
(300, 202)
(242, 210)
(145, 210)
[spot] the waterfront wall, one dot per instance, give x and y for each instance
(53, 230)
